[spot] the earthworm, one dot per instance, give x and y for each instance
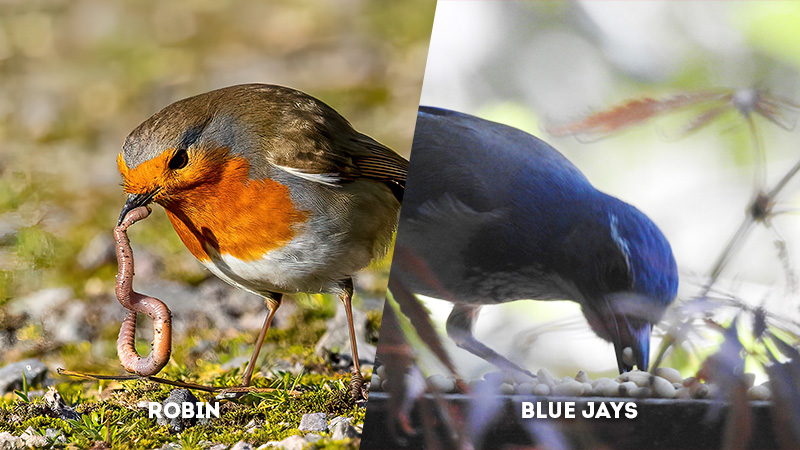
(139, 303)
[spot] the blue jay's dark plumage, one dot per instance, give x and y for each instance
(492, 214)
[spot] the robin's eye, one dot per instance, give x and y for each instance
(179, 161)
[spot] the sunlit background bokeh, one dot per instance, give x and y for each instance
(529, 64)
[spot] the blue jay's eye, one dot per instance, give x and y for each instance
(179, 160)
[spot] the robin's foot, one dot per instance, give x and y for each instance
(357, 390)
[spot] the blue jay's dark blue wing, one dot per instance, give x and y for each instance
(493, 214)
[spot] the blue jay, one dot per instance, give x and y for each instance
(492, 214)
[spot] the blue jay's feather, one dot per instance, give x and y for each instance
(498, 215)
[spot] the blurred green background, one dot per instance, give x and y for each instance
(532, 64)
(77, 76)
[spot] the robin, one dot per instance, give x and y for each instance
(269, 188)
(493, 215)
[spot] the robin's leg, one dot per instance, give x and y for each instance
(460, 324)
(357, 381)
(273, 302)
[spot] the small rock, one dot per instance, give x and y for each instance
(55, 435)
(31, 439)
(241, 445)
(9, 442)
(312, 437)
(11, 375)
(340, 428)
(219, 447)
(59, 406)
(313, 422)
(295, 442)
(177, 424)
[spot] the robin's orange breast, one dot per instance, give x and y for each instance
(232, 214)
(214, 206)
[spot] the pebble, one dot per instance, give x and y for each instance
(295, 442)
(11, 375)
(9, 441)
(241, 445)
(314, 422)
(177, 424)
(340, 428)
(59, 406)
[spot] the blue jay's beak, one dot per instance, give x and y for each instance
(625, 319)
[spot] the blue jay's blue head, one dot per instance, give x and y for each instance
(625, 273)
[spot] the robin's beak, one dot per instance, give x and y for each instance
(134, 201)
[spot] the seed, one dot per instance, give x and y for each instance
(441, 384)
(541, 389)
(689, 381)
(375, 383)
(642, 379)
(477, 385)
(600, 381)
(750, 379)
(543, 375)
(525, 389)
(627, 356)
(570, 388)
(587, 389)
(683, 393)
(677, 385)
(662, 388)
(672, 375)
(698, 390)
(381, 370)
(582, 377)
(506, 389)
(609, 389)
(758, 393)
(626, 388)
(641, 392)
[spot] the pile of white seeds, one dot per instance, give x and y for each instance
(664, 382)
